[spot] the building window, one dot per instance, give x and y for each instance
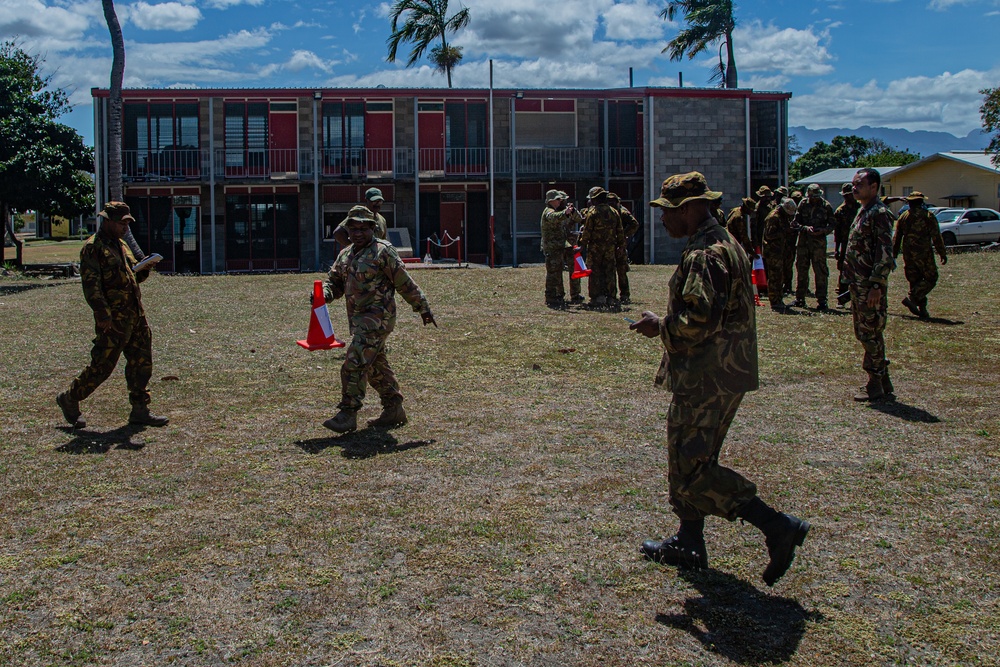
(262, 232)
(160, 140)
(465, 136)
(246, 137)
(907, 190)
(545, 123)
(343, 137)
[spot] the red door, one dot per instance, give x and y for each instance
(431, 128)
(378, 144)
(283, 140)
(452, 223)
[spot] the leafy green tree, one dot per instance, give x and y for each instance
(990, 113)
(44, 165)
(848, 151)
(708, 21)
(421, 22)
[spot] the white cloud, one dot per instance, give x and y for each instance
(634, 20)
(34, 19)
(164, 16)
(947, 103)
(226, 4)
(776, 82)
(300, 60)
(791, 52)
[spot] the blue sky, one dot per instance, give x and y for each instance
(914, 64)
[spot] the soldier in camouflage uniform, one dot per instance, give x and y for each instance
(776, 227)
(867, 265)
(918, 236)
(602, 237)
(813, 222)
(844, 216)
(788, 258)
(368, 273)
(111, 289)
(629, 227)
(373, 202)
(709, 363)
(765, 204)
(738, 223)
(556, 224)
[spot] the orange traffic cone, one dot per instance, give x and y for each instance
(580, 269)
(320, 335)
(759, 276)
(756, 292)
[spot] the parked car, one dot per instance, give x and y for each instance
(968, 225)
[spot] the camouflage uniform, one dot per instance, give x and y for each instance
(843, 216)
(368, 279)
(765, 204)
(558, 251)
(775, 236)
(791, 242)
(918, 236)
(868, 263)
(630, 226)
(112, 292)
(709, 362)
(737, 221)
(811, 248)
(602, 237)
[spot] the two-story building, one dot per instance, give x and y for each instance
(228, 180)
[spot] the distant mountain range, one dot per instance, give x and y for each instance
(922, 142)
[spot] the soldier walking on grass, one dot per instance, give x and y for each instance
(558, 218)
(602, 237)
(710, 361)
(629, 227)
(111, 289)
(813, 222)
(918, 236)
(843, 217)
(368, 273)
(867, 265)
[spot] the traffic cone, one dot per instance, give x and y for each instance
(760, 277)
(756, 293)
(580, 269)
(320, 335)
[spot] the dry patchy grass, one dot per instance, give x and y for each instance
(500, 526)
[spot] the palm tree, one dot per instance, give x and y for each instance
(425, 21)
(707, 21)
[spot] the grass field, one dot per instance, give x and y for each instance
(501, 525)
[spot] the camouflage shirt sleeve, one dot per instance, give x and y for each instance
(333, 288)
(395, 271)
(902, 229)
(91, 277)
(629, 223)
(702, 302)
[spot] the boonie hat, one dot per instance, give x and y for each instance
(814, 190)
(764, 191)
(374, 194)
(915, 196)
(788, 206)
(749, 204)
(596, 192)
(116, 211)
(796, 195)
(682, 188)
(552, 195)
(781, 190)
(361, 213)
(846, 189)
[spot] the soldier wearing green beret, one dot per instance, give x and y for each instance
(709, 363)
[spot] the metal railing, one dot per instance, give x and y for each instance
(167, 164)
(763, 159)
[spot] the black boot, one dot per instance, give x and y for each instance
(685, 549)
(886, 382)
(782, 533)
(873, 390)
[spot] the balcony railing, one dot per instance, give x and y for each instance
(763, 160)
(167, 164)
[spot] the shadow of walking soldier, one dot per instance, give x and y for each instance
(737, 621)
(101, 442)
(362, 444)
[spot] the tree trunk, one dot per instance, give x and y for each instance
(731, 80)
(8, 228)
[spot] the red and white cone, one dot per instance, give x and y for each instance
(320, 336)
(580, 269)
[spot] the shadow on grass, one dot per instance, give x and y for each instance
(101, 442)
(362, 444)
(739, 622)
(10, 290)
(932, 320)
(905, 412)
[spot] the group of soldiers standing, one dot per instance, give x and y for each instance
(602, 230)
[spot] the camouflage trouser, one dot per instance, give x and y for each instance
(699, 486)
(131, 338)
(366, 363)
(814, 255)
(922, 274)
(621, 268)
(774, 268)
(555, 263)
(603, 278)
(788, 261)
(869, 323)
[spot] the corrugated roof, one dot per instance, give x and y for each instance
(841, 175)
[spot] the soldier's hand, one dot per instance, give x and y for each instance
(428, 318)
(874, 297)
(944, 259)
(648, 326)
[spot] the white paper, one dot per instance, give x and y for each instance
(149, 261)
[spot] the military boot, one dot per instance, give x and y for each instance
(70, 410)
(343, 422)
(686, 549)
(912, 307)
(140, 416)
(872, 391)
(392, 414)
(782, 533)
(886, 382)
